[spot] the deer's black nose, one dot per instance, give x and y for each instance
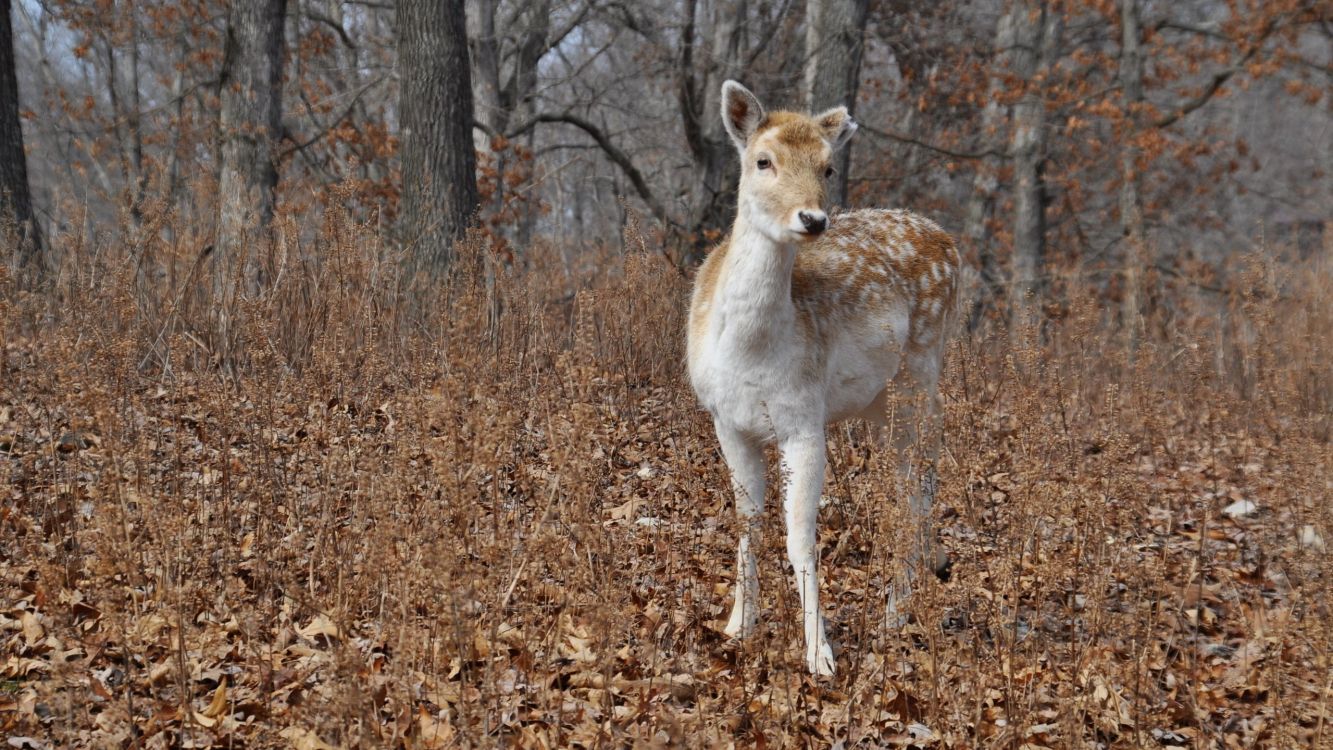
(813, 221)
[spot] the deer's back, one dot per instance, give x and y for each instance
(873, 263)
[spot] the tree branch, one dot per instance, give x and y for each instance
(615, 154)
(1220, 77)
(687, 88)
(1205, 96)
(318, 17)
(630, 21)
(575, 21)
(767, 35)
(483, 127)
(295, 147)
(912, 140)
(1167, 23)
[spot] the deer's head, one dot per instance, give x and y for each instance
(786, 162)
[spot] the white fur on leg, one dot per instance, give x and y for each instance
(744, 612)
(803, 459)
(818, 652)
(900, 591)
(746, 460)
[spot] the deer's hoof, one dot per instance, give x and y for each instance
(943, 565)
(741, 623)
(820, 660)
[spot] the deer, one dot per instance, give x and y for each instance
(799, 320)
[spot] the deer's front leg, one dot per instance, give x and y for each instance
(746, 459)
(803, 462)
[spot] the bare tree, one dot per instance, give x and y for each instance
(508, 43)
(501, 97)
(251, 122)
(726, 45)
(15, 202)
(713, 196)
(980, 207)
(439, 161)
(834, 40)
(337, 113)
(716, 41)
(1036, 29)
(965, 113)
(1131, 206)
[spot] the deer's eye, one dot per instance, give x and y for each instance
(764, 164)
(828, 172)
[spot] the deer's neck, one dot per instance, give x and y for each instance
(755, 299)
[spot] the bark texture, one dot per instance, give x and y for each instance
(439, 162)
(251, 123)
(1036, 30)
(977, 234)
(712, 199)
(506, 51)
(15, 200)
(834, 40)
(1131, 208)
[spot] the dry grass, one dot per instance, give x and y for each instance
(385, 522)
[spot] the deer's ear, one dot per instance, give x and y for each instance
(837, 126)
(741, 113)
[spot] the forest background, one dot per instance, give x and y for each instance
(341, 399)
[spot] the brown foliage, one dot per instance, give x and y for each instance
(392, 524)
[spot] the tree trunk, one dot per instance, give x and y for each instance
(439, 162)
(134, 119)
(834, 39)
(977, 235)
(505, 78)
(712, 200)
(1131, 208)
(251, 124)
(15, 201)
(1035, 31)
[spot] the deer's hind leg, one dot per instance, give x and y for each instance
(908, 417)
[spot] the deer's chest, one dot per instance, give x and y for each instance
(760, 376)
(771, 377)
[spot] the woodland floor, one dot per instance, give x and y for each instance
(533, 545)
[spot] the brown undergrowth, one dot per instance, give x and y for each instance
(380, 514)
